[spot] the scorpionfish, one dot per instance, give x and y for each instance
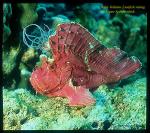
(80, 63)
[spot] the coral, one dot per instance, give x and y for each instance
(28, 15)
(28, 55)
(16, 109)
(133, 34)
(24, 76)
(6, 32)
(7, 12)
(9, 60)
(86, 19)
(12, 48)
(130, 104)
(35, 124)
(27, 62)
(46, 12)
(97, 10)
(127, 32)
(89, 14)
(121, 108)
(137, 39)
(108, 34)
(59, 19)
(70, 123)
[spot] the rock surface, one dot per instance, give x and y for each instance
(120, 108)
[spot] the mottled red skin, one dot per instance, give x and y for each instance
(54, 79)
(70, 76)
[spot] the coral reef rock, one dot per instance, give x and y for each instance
(133, 35)
(119, 108)
(9, 60)
(29, 14)
(7, 12)
(97, 10)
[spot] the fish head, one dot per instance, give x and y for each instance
(44, 78)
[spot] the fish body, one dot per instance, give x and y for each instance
(80, 63)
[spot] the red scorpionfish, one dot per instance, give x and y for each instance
(80, 62)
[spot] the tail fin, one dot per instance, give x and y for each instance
(113, 63)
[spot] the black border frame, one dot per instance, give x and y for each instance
(107, 2)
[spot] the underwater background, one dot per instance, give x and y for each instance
(119, 107)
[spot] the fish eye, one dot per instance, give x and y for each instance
(62, 29)
(52, 67)
(74, 83)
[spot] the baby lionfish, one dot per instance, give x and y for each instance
(80, 62)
